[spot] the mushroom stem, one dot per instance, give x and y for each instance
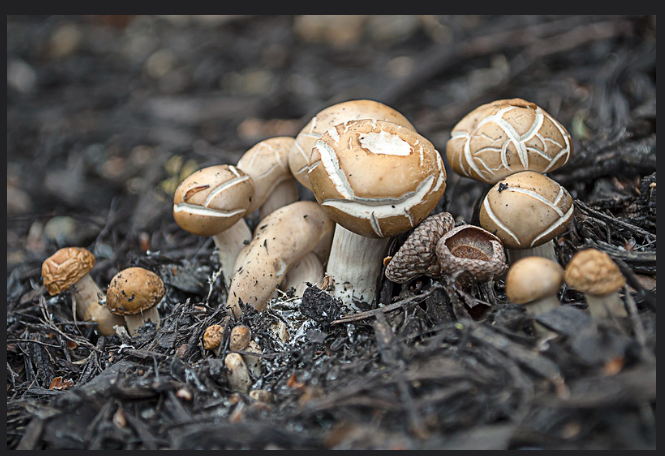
(106, 321)
(309, 269)
(605, 306)
(85, 292)
(229, 243)
(286, 192)
(543, 305)
(354, 265)
(545, 250)
(134, 322)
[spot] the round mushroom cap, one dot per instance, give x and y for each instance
(134, 290)
(212, 199)
(594, 272)
(376, 178)
(501, 138)
(329, 117)
(532, 278)
(526, 210)
(66, 267)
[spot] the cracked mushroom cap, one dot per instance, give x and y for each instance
(212, 199)
(532, 278)
(134, 290)
(66, 267)
(376, 178)
(594, 272)
(501, 138)
(526, 210)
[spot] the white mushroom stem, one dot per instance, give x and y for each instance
(134, 322)
(545, 250)
(541, 306)
(606, 306)
(229, 243)
(286, 192)
(309, 269)
(106, 321)
(85, 293)
(354, 265)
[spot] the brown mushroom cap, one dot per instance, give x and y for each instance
(526, 210)
(376, 178)
(532, 278)
(212, 199)
(66, 267)
(500, 138)
(134, 290)
(594, 272)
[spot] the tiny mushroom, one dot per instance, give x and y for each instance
(212, 202)
(69, 268)
(534, 282)
(134, 294)
(237, 373)
(594, 273)
(212, 337)
(239, 338)
(527, 210)
(503, 137)
(376, 180)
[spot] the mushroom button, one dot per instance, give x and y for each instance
(501, 138)
(212, 202)
(527, 210)
(594, 273)
(336, 114)
(375, 179)
(134, 294)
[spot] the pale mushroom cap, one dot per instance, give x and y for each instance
(328, 118)
(376, 178)
(504, 137)
(134, 290)
(533, 278)
(267, 163)
(212, 199)
(66, 267)
(594, 272)
(526, 210)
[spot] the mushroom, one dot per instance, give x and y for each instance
(134, 294)
(69, 268)
(346, 111)
(212, 202)
(375, 179)
(239, 338)
(527, 210)
(594, 273)
(504, 137)
(308, 270)
(282, 239)
(212, 337)
(237, 373)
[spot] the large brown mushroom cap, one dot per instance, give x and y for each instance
(66, 267)
(532, 278)
(501, 138)
(134, 290)
(376, 178)
(594, 272)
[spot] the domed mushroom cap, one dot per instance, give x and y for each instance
(347, 111)
(533, 278)
(376, 178)
(66, 267)
(212, 199)
(507, 136)
(594, 272)
(134, 290)
(526, 210)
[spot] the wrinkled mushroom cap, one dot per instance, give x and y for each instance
(526, 210)
(328, 118)
(134, 290)
(376, 178)
(594, 272)
(532, 278)
(66, 267)
(212, 199)
(501, 138)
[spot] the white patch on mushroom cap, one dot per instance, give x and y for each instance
(384, 143)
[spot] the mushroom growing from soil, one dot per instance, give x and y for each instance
(237, 373)
(375, 179)
(504, 137)
(527, 210)
(68, 269)
(594, 273)
(212, 202)
(134, 294)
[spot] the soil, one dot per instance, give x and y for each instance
(107, 114)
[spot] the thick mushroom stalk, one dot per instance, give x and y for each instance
(134, 294)
(308, 270)
(375, 179)
(281, 239)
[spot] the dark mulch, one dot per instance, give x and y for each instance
(106, 114)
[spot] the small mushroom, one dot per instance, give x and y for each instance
(134, 294)
(212, 202)
(212, 337)
(527, 210)
(504, 137)
(375, 179)
(308, 270)
(239, 338)
(594, 273)
(237, 373)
